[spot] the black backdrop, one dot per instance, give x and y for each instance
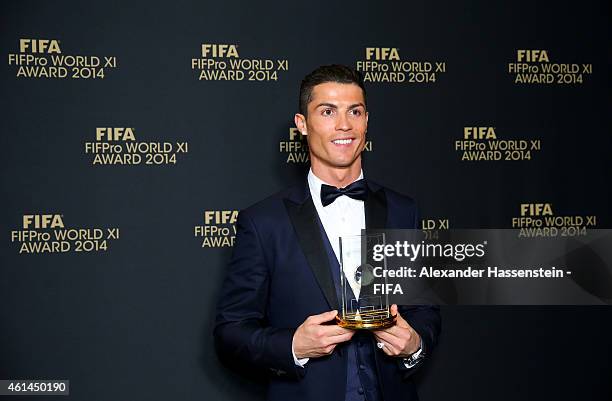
(133, 321)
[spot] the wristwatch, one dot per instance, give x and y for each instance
(415, 358)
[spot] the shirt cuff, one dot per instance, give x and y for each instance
(299, 362)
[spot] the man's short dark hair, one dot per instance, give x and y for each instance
(328, 73)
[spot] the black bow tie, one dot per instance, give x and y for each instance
(357, 190)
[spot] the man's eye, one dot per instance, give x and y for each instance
(356, 112)
(327, 112)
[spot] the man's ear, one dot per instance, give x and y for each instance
(300, 123)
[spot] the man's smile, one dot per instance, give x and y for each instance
(343, 141)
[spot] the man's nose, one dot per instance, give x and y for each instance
(343, 123)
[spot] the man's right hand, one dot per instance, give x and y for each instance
(314, 338)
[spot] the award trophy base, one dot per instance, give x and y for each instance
(366, 320)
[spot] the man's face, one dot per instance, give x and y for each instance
(336, 125)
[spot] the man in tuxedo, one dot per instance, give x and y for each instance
(280, 296)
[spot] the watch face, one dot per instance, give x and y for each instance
(410, 363)
(417, 355)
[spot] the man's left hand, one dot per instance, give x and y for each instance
(399, 340)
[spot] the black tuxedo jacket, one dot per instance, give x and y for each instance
(279, 274)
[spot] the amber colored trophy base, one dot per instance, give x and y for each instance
(369, 324)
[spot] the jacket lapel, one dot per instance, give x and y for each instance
(376, 207)
(303, 216)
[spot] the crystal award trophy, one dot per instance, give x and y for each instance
(364, 302)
